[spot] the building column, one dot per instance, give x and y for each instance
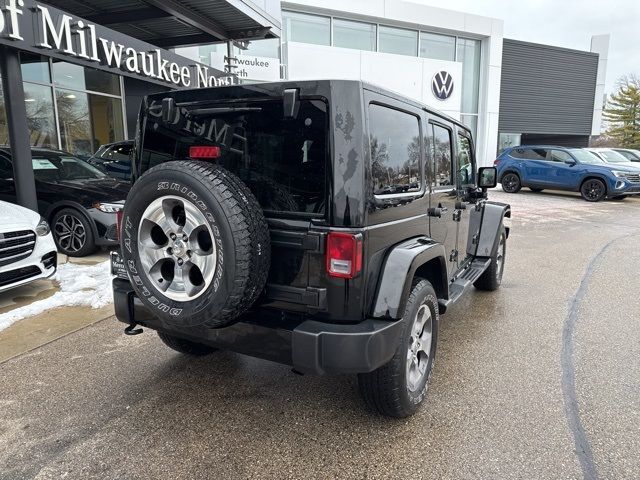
(18, 128)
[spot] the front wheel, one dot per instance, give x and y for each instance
(398, 388)
(491, 279)
(511, 183)
(593, 190)
(72, 233)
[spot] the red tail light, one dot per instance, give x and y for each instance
(204, 151)
(344, 254)
(119, 215)
(496, 162)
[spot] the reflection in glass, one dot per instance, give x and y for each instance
(38, 101)
(441, 153)
(79, 78)
(35, 68)
(439, 47)
(358, 35)
(300, 27)
(466, 173)
(469, 55)
(75, 122)
(398, 40)
(394, 143)
(4, 131)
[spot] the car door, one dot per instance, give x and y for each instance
(444, 194)
(563, 173)
(465, 180)
(535, 167)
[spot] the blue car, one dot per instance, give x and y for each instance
(558, 168)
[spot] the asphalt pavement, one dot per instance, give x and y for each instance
(539, 380)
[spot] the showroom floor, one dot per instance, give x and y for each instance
(538, 380)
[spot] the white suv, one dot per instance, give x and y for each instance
(27, 249)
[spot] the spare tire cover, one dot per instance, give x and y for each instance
(195, 244)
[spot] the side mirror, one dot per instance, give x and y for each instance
(487, 177)
(570, 162)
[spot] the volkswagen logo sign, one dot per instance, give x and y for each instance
(442, 85)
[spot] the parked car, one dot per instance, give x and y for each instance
(609, 155)
(27, 249)
(629, 153)
(75, 198)
(114, 159)
(316, 229)
(558, 168)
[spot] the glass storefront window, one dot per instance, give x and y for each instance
(262, 48)
(35, 68)
(77, 77)
(75, 122)
(469, 54)
(38, 100)
(506, 140)
(398, 40)
(106, 119)
(358, 35)
(300, 27)
(439, 47)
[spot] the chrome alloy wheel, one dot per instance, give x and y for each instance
(419, 352)
(70, 232)
(177, 248)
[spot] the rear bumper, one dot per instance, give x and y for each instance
(308, 346)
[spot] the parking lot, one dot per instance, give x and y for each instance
(540, 379)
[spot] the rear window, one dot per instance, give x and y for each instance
(282, 160)
(529, 153)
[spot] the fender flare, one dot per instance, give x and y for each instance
(399, 268)
(493, 214)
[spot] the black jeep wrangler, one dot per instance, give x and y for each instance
(322, 224)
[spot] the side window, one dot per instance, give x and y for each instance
(535, 154)
(441, 155)
(559, 156)
(394, 139)
(119, 153)
(6, 169)
(466, 173)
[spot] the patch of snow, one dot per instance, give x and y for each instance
(79, 286)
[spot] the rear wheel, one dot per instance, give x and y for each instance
(398, 388)
(593, 190)
(511, 182)
(72, 233)
(491, 279)
(185, 346)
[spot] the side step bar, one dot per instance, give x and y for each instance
(464, 281)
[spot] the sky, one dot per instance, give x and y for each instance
(567, 23)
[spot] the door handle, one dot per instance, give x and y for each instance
(442, 208)
(434, 212)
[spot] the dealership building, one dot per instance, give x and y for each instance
(507, 92)
(74, 73)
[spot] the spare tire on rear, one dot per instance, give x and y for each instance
(195, 243)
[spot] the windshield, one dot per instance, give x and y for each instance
(52, 167)
(584, 156)
(612, 157)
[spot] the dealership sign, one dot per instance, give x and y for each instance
(40, 28)
(249, 67)
(442, 85)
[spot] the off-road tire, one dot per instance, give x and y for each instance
(536, 190)
(89, 244)
(185, 346)
(386, 390)
(240, 234)
(491, 279)
(511, 182)
(593, 190)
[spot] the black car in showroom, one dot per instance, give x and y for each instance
(78, 200)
